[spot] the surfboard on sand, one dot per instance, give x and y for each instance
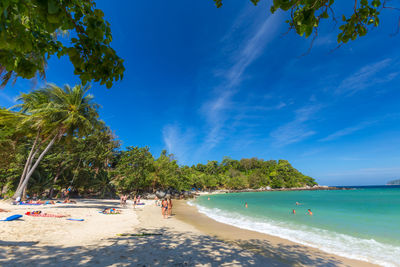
(11, 218)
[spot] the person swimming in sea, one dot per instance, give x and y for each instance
(246, 205)
(298, 204)
(309, 212)
(294, 211)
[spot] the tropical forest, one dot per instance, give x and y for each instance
(53, 139)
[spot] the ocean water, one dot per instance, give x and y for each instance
(361, 224)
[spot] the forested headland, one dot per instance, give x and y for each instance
(53, 140)
(394, 182)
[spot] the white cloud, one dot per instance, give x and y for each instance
(347, 131)
(7, 98)
(214, 110)
(367, 76)
(296, 130)
(177, 142)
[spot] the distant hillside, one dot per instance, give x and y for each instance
(394, 182)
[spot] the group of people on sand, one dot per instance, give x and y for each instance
(124, 199)
(166, 207)
(136, 201)
(35, 201)
(111, 211)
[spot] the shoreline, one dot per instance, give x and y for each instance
(272, 247)
(142, 237)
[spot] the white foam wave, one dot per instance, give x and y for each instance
(328, 241)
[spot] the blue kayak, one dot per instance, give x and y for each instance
(12, 218)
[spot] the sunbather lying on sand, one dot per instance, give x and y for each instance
(111, 211)
(1, 210)
(67, 200)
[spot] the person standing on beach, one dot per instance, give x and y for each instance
(169, 207)
(123, 200)
(134, 202)
(164, 208)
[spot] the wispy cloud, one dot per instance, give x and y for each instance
(328, 40)
(7, 98)
(296, 130)
(178, 142)
(218, 109)
(311, 152)
(214, 110)
(347, 131)
(367, 76)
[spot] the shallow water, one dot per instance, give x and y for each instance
(361, 224)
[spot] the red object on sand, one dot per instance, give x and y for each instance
(47, 215)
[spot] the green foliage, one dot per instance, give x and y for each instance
(86, 157)
(52, 113)
(30, 32)
(133, 169)
(67, 110)
(306, 15)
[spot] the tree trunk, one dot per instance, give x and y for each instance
(24, 184)
(23, 194)
(28, 160)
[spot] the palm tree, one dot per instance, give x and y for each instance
(54, 112)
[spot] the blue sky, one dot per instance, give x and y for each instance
(205, 83)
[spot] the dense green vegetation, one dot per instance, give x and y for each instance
(31, 31)
(54, 140)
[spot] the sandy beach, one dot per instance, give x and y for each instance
(188, 238)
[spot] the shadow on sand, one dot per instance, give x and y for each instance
(168, 248)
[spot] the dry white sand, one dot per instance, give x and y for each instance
(38, 241)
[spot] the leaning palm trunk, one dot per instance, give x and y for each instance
(65, 109)
(24, 184)
(29, 160)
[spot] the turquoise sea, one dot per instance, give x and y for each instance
(363, 223)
